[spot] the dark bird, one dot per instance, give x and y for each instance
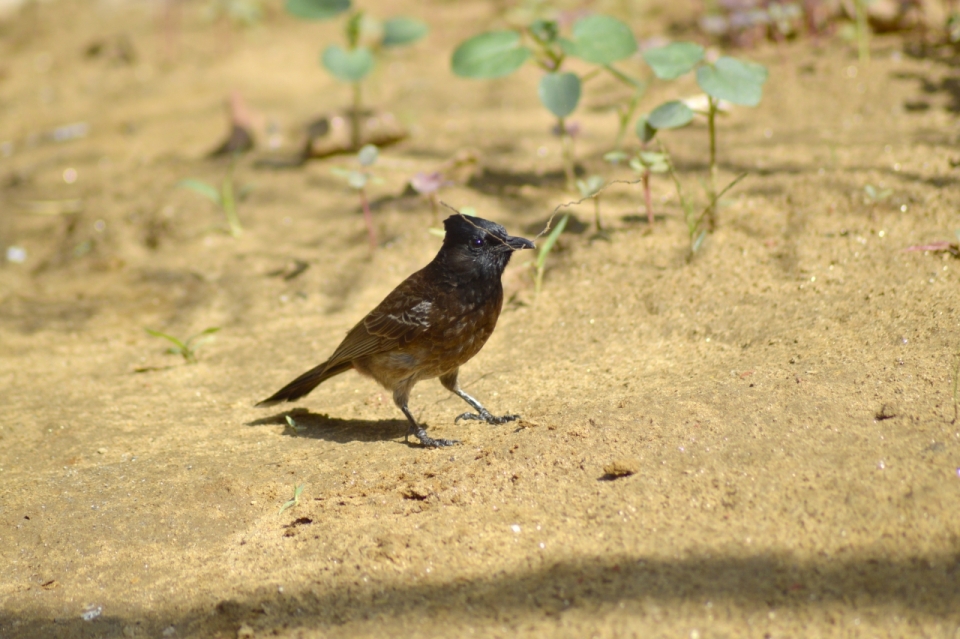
(430, 325)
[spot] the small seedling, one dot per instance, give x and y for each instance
(292, 502)
(225, 197)
(186, 349)
(643, 164)
(590, 188)
(545, 249)
(728, 79)
(366, 37)
(358, 180)
(696, 230)
(246, 13)
(873, 195)
(596, 39)
(294, 426)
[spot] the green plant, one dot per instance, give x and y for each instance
(545, 249)
(590, 188)
(297, 491)
(696, 230)
(294, 426)
(596, 39)
(358, 180)
(366, 38)
(643, 164)
(225, 197)
(728, 79)
(242, 12)
(187, 349)
(872, 195)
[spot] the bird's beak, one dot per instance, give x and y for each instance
(519, 243)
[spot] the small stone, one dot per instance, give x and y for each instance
(244, 631)
(621, 468)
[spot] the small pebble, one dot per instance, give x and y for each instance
(621, 468)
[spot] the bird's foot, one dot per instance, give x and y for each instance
(485, 416)
(426, 440)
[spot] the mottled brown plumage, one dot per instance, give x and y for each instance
(430, 325)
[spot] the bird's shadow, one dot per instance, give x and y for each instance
(300, 422)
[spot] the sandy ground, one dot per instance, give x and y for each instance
(785, 398)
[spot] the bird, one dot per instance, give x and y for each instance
(430, 325)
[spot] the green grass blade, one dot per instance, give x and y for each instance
(199, 186)
(293, 502)
(170, 338)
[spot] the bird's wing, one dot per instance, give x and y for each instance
(395, 322)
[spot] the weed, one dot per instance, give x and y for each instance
(590, 188)
(545, 249)
(366, 37)
(294, 426)
(596, 39)
(187, 349)
(292, 502)
(728, 79)
(358, 180)
(225, 197)
(873, 195)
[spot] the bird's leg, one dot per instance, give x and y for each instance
(482, 413)
(450, 382)
(418, 431)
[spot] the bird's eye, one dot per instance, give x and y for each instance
(478, 241)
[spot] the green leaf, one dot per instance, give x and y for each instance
(655, 162)
(670, 115)
(317, 9)
(400, 31)
(733, 80)
(349, 66)
(357, 180)
(615, 157)
(199, 186)
(560, 93)
(601, 39)
(368, 155)
(591, 186)
(644, 131)
(490, 55)
(673, 60)
(551, 240)
(195, 341)
(292, 502)
(545, 31)
(170, 338)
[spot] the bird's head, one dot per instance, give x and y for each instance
(479, 247)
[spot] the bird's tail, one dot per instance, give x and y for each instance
(306, 383)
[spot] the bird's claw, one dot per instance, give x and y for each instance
(428, 442)
(485, 416)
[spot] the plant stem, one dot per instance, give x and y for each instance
(956, 374)
(596, 212)
(355, 117)
(229, 201)
(368, 219)
(863, 31)
(646, 197)
(712, 186)
(566, 149)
